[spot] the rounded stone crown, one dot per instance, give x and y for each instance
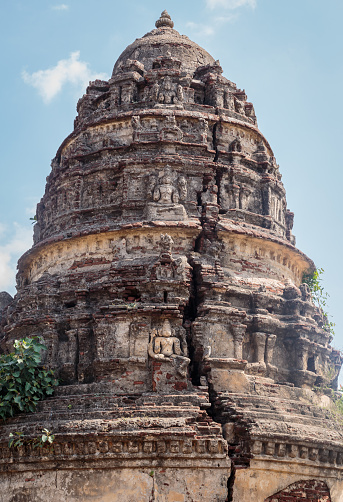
(165, 20)
(165, 41)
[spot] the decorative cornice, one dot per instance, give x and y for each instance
(118, 449)
(263, 448)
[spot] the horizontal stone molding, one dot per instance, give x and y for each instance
(288, 450)
(258, 254)
(124, 119)
(60, 256)
(118, 450)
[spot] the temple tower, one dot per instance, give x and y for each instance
(166, 285)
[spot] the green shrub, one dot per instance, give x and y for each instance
(23, 382)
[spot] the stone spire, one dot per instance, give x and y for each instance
(167, 197)
(165, 20)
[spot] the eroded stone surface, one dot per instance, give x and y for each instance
(166, 285)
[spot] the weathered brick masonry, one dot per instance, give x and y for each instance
(165, 282)
(315, 491)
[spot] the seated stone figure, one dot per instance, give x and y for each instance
(165, 198)
(165, 192)
(165, 346)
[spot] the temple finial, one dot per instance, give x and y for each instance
(165, 20)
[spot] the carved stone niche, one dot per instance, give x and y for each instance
(121, 341)
(154, 130)
(67, 355)
(302, 362)
(148, 130)
(218, 347)
(170, 130)
(168, 354)
(260, 354)
(235, 194)
(221, 341)
(166, 267)
(166, 191)
(166, 92)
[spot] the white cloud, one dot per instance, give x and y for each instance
(211, 27)
(200, 29)
(67, 71)
(230, 4)
(62, 6)
(230, 18)
(15, 241)
(216, 21)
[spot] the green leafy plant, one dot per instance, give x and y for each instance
(34, 219)
(19, 439)
(23, 382)
(313, 279)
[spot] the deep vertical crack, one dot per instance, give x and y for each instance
(220, 412)
(230, 484)
(214, 140)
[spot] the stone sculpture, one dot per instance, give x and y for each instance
(165, 283)
(165, 346)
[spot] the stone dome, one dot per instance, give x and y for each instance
(165, 284)
(162, 41)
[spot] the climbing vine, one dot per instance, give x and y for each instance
(319, 296)
(23, 381)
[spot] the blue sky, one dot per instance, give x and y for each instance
(287, 55)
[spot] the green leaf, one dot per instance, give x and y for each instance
(22, 382)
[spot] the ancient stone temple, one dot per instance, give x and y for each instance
(166, 285)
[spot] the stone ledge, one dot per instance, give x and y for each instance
(118, 449)
(283, 450)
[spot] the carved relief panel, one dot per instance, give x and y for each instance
(237, 192)
(167, 92)
(169, 344)
(166, 192)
